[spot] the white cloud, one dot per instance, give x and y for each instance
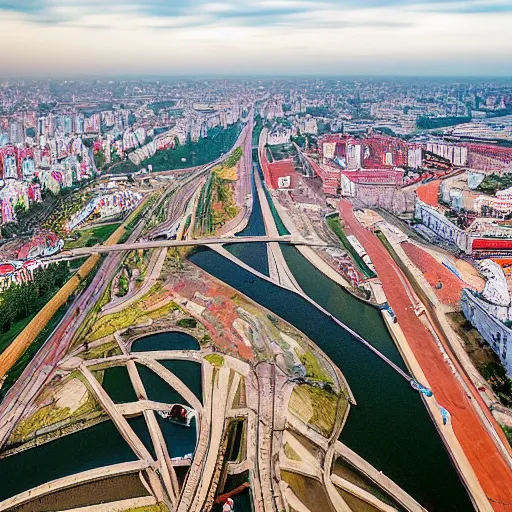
(305, 37)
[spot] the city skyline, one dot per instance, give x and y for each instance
(286, 37)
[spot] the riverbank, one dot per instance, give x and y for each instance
(486, 460)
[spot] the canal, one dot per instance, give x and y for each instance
(254, 254)
(94, 447)
(102, 445)
(390, 427)
(171, 340)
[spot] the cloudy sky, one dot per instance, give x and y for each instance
(251, 37)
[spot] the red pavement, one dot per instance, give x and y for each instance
(488, 463)
(429, 193)
(436, 274)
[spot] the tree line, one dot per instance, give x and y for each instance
(22, 300)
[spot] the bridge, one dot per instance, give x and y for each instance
(156, 244)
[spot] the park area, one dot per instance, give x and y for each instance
(92, 236)
(190, 154)
(217, 203)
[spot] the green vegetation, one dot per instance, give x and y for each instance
(217, 203)
(125, 166)
(290, 452)
(258, 126)
(123, 285)
(93, 236)
(29, 219)
(233, 159)
(19, 303)
(99, 159)
(195, 153)
(283, 151)
(494, 373)
(215, 360)
(187, 323)
(159, 507)
(334, 223)
(69, 202)
(508, 433)
(25, 359)
(313, 368)
(106, 350)
(129, 317)
(428, 123)
(49, 415)
(223, 205)
(316, 406)
(319, 111)
(491, 184)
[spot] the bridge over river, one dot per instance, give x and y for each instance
(155, 244)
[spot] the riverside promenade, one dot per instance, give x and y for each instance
(492, 471)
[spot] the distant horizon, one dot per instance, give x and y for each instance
(260, 76)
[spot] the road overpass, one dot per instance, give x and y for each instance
(156, 244)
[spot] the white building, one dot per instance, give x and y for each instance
(433, 219)
(279, 135)
(491, 312)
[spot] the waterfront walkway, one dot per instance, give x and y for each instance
(487, 461)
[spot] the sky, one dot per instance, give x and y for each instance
(255, 37)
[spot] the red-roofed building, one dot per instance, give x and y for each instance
(281, 174)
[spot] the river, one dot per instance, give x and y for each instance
(390, 427)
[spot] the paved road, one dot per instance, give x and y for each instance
(41, 368)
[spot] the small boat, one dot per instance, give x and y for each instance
(179, 414)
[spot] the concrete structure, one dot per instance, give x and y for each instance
(433, 219)
(490, 312)
(279, 135)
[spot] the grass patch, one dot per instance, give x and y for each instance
(25, 359)
(107, 350)
(93, 236)
(313, 367)
(215, 360)
(291, 453)
(44, 417)
(508, 433)
(491, 184)
(190, 323)
(203, 151)
(315, 406)
(8, 337)
(123, 285)
(159, 507)
(129, 317)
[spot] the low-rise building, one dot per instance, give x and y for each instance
(490, 312)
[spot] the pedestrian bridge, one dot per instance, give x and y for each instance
(155, 244)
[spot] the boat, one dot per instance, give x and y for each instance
(180, 414)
